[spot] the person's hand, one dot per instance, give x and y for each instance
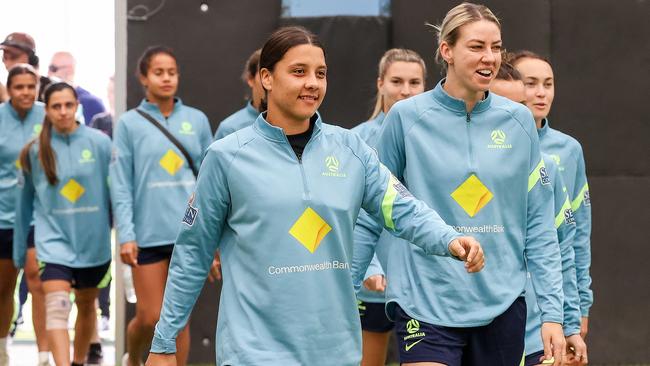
(161, 359)
(375, 283)
(584, 327)
(215, 269)
(129, 253)
(468, 249)
(576, 350)
(554, 343)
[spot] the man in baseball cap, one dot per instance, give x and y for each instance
(20, 48)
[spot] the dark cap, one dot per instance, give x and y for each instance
(22, 41)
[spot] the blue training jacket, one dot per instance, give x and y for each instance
(150, 178)
(565, 226)
(483, 172)
(567, 153)
(284, 228)
(236, 121)
(14, 134)
(71, 218)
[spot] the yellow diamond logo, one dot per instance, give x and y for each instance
(310, 229)
(472, 195)
(18, 165)
(171, 162)
(72, 191)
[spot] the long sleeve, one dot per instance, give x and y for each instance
(541, 247)
(121, 176)
(366, 235)
(389, 202)
(205, 138)
(566, 228)
(581, 206)
(193, 251)
(24, 214)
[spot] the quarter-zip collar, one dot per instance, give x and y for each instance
(458, 105)
(69, 136)
(545, 127)
(152, 108)
(277, 134)
(251, 109)
(14, 112)
(380, 118)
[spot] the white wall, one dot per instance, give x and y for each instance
(86, 28)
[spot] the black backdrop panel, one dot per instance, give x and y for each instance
(410, 31)
(601, 58)
(353, 47)
(619, 326)
(211, 47)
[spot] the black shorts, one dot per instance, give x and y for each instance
(79, 278)
(7, 242)
(373, 317)
(500, 343)
(155, 254)
(533, 359)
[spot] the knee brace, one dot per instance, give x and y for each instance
(57, 310)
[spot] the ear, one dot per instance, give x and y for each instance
(267, 79)
(143, 81)
(380, 83)
(446, 52)
(251, 81)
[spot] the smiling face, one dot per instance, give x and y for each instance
(61, 109)
(473, 60)
(539, 84)
(22, 92)
(296, 86)
(401, 80)
(161, 81)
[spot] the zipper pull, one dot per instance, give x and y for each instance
(468, 118)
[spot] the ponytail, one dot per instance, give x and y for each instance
(46, 155)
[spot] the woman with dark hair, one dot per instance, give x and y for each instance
(64, 188)
(473, 156)
(151, 179)
(279, 199)
(21, 119)
(539, 88)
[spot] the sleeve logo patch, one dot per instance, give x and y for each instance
(543, 176)
(586, 198)
(568, 217)
(190, 215)
(401, 189)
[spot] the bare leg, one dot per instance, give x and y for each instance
(375, 346)
(8, 275)
(86, 322)
(149, 283)
(38, 299)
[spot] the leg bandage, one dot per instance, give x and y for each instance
(57, 310)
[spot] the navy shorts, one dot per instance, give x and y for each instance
(155, 254)
(373, 317)
(533, 359)
(7, 242)
(79, 278)
(500, 343)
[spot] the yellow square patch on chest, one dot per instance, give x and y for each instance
(72, 191)
(472, 195)
(310, 229)
(171, 162)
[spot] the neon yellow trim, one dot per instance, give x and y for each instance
(577, 202)
(560, 215)
(387, 203)
(523, 358)
(534, 176)
(107, 278)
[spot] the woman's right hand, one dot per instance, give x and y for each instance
(129, 253)
(161, 359)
